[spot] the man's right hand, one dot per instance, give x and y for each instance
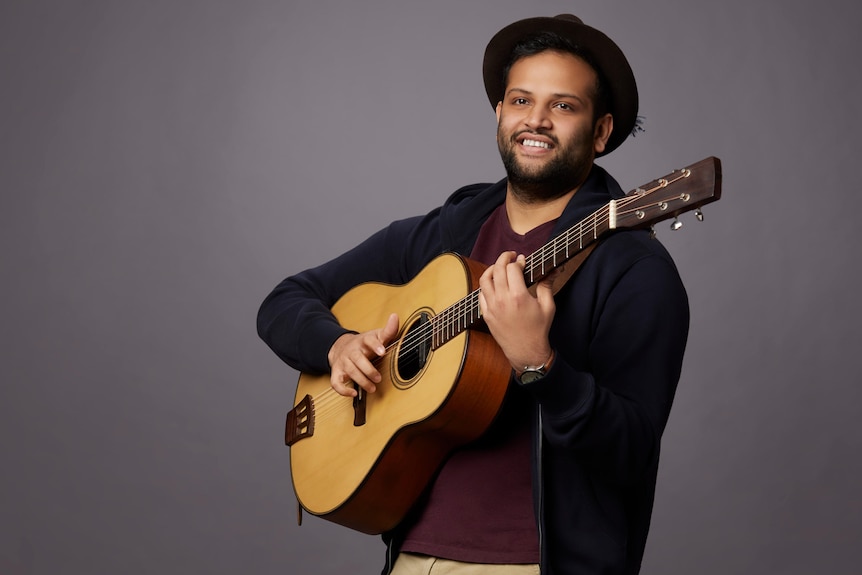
(351, 358)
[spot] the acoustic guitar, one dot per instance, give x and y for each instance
(363, 462)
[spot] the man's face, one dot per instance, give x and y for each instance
(545, 129)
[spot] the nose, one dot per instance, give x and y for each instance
(538, 118)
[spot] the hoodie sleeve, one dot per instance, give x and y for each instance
(295, 319)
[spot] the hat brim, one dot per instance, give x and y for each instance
(604, 53)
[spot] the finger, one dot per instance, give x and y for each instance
(354, 368)
(486, 288)
(346, 384)
(515, 273)
(505, 257)
(499, 271)
(545, 295)
(364, 373)
(387, 333)
(342, 384)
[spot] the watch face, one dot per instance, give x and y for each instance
(531, 376)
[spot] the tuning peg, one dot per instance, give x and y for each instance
(698, 214)
(676, 224)
(652, 233)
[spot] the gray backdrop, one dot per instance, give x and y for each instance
(164, 163)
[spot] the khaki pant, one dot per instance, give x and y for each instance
(411, 564)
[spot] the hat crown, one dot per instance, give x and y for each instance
(569, 17)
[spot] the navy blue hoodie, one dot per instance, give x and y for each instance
(619, 334)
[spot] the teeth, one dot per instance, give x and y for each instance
(536, 144)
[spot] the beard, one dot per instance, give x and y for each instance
(563, 172)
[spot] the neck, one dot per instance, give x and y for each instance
(536, 204)
(525, 216)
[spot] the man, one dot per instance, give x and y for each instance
(564, 479)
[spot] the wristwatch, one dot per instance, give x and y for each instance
(533, 373)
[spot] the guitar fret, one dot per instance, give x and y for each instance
(452, 324)
(455, 319)
(554, 262)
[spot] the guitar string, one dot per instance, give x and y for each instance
(585, 229)
(469, 304)
(564, 242)
(551, 249)
(456, 312)
(329, 402)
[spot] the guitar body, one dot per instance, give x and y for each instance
(365, 472)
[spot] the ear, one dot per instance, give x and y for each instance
(497, 110)
(601, 133)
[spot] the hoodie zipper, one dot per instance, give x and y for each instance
(541, 486)
(390, 564)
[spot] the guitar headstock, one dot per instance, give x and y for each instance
(668, 197)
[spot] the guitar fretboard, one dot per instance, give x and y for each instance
(464, 313)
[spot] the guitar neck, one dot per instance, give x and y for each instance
(567, 245)
(663, 198)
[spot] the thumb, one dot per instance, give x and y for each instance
(545, 294)
(390, 330)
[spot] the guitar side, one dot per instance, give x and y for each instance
(367, 476)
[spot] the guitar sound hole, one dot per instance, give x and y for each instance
(415, 348)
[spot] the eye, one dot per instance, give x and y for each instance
(520, 101)
(565, 106)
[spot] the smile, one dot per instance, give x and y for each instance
(535, 144)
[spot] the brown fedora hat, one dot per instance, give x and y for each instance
(604, 53)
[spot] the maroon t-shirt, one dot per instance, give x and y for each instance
(480, 507)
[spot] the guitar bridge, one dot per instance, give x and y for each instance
(300, 421)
